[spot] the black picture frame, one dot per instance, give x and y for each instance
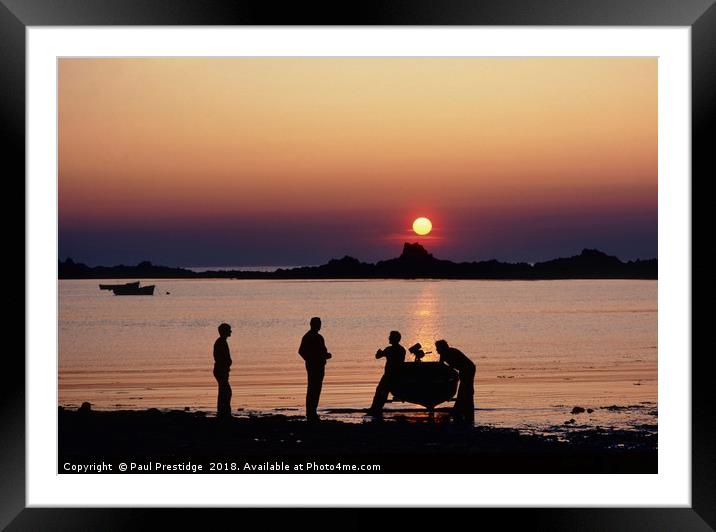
(699, 15)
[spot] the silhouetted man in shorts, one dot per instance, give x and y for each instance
(222, 365)
(313, 351)
(394, 358)
(464, 408)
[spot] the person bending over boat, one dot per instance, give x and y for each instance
(222, 365)
(464, 408)
(313, 351)
(394, 358)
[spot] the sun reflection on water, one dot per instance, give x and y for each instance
(423, 325)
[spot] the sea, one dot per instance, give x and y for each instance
(541, 348)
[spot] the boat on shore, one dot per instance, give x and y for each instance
(134, 290)
(424, 383)
(113, 286)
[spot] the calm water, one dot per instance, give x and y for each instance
(540, 347)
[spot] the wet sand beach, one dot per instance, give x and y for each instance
(410, 443)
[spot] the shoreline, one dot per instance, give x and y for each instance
(405, 445)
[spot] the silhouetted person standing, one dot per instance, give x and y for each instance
(313, 351)
(464, 408)
(222, 365)
(394, 358)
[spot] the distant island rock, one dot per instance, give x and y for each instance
(413, 263)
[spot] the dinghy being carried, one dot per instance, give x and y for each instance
(424, 383)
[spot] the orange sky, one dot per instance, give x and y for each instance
(149, 139)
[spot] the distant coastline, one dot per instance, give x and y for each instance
(413, 263)
(201, 269)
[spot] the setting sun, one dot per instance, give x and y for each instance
(422, 226)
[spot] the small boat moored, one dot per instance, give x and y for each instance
(113, 286)
(134, 290)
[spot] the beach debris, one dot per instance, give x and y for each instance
(577, 410)
(590, 410)
(570, 422)
(85, 408)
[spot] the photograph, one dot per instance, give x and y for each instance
(321, 257)
(357, 265)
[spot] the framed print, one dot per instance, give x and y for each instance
(278, 258)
